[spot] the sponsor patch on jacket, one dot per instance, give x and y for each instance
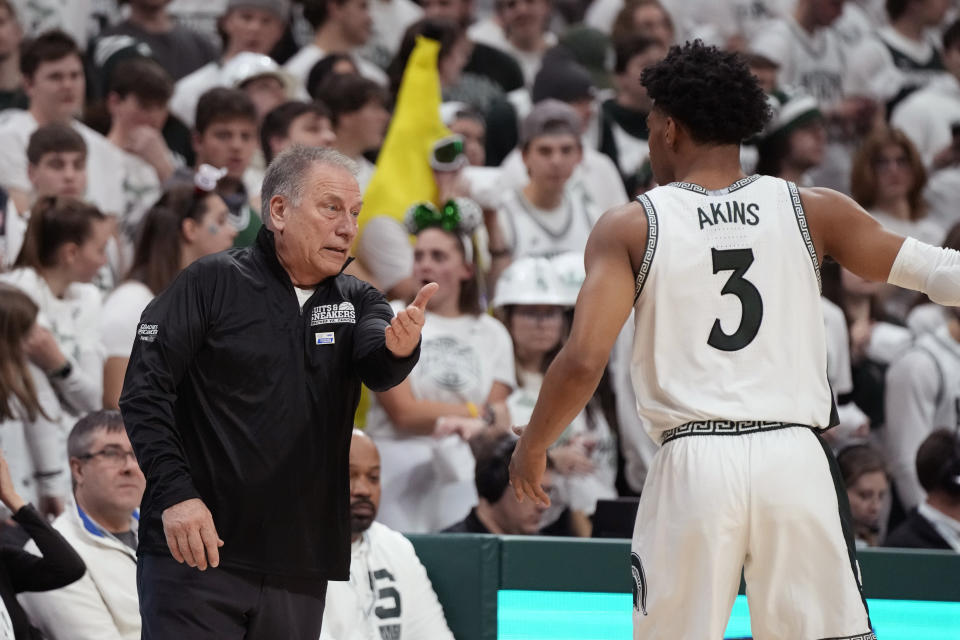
(325, 337)
(147, 332)
(342, 313)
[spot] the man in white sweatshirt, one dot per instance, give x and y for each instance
(389, 594)
(101, 525)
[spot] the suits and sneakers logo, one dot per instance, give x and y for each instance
(639, 584)
(147, 332)
(342, 313)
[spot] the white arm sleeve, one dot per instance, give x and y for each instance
(934, 271)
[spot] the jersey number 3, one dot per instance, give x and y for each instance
(738, 261)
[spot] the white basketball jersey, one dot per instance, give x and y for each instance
(728, 318)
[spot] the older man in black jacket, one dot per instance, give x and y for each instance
(239, 402)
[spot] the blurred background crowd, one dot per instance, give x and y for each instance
(489, 136)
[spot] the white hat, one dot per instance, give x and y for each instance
(570, 275)
(528, 280)
(384, 248)
(247, 65)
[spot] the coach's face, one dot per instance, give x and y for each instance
(313, 236)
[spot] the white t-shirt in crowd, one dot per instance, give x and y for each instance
(118, 183)
(390, 20)
(531, 231)
(578, 491)
(187, 91)
(121, 316)
(389, 594)
(875, 73)
(927, 116)
(596, 175)
(302, 62)
(428, 483)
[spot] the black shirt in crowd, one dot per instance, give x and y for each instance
(236, 395)
(916, 532)
(23, 571)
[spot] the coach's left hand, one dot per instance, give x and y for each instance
(403, 334)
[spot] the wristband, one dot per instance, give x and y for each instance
(473, 410)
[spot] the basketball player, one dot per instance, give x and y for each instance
(729, 367)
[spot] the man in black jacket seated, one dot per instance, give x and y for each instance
(239, 403)
(935, 524)
(498, 510)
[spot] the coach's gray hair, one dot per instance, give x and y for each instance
(286, 174)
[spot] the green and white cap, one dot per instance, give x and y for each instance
(791, 109)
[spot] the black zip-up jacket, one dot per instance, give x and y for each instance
(236, 396)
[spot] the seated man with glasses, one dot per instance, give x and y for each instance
(101, 525)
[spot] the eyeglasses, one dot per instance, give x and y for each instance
(113, 456)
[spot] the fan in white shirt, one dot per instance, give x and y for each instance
(246, 26)
(187, 223)
(457, 389)
(384, 570)
(340, 26)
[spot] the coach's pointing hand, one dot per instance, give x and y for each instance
(403, 334)
(191, 535)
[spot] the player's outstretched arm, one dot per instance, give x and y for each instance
(843, 230)
(604, 304)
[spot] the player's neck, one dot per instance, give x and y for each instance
(715, 167)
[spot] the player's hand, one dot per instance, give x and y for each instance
(403, 334)
(191, 535)
(466, 428)
(526, 473)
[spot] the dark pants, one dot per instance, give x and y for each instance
(183, 603)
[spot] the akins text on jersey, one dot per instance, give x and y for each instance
(729, 212)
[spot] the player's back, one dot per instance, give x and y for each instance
(728, 319)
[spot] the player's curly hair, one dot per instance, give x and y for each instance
(711, 92)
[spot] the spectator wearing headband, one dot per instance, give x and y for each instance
(254, 26)
(187, 223)
(457, 389)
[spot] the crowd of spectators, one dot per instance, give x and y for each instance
(134, 135)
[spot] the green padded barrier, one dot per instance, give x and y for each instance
(565, 564)
(465, 572)
(908, 574)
